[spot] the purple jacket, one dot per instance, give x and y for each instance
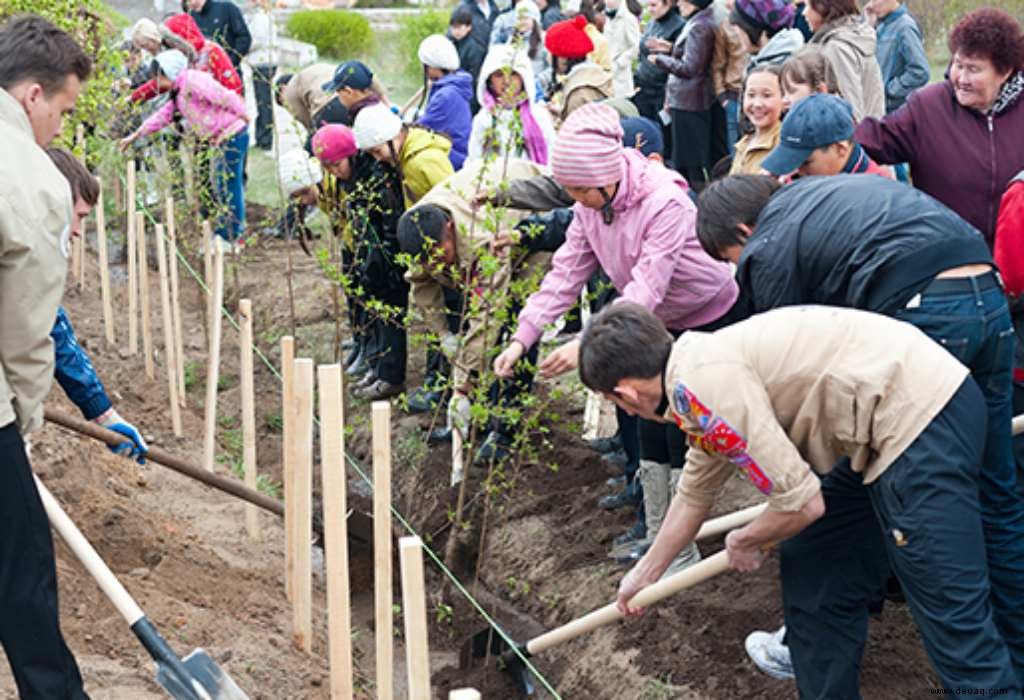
(959, 156)
(448, 113)
(650, 252)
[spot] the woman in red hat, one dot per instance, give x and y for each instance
(576, 80)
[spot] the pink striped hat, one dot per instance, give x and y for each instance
(588, 148)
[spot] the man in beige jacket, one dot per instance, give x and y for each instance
(41, 71)
(781, 397)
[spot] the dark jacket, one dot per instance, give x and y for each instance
(901, 56)
(963, 158)
(223, 22)
(551, 14)
(373, 206)
(689, 86)
(668, 27)
(481, 24)
(448, 113)
(472, 53)
(816, 243)
(74, 371)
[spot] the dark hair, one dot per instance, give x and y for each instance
(84, 185)
(33, 49)
(417, 226)
(461, 15)
(809, 67)
(725, 204)
(625, 341)
(588, 11)
(831, 10)
(992, 34)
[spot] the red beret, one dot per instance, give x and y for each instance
(567, 39)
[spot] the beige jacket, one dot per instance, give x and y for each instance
(35, 217)
(476, 229)
(623, 34)
(585, 83)
(849, 44)
(751, 150)
(304, 95)
(729, 61)
(795, 389)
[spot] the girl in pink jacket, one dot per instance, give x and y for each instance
(217, 117)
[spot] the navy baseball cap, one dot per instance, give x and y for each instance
(814, 122)
(353, 74)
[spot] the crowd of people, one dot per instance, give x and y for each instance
(689, 168)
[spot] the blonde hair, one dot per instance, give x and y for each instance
(809, 67)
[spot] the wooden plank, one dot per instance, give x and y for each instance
(302, 489)
(252, 523)
(168, 324)
(383, 599)
(213, 361)
(414, 612)
(104, 263)
(464, 694)
(287, 465)
(179, 340)
(142, 267)
(133, 284)
(332, 471)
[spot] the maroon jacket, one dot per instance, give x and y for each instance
(689, 86)
(961, 157)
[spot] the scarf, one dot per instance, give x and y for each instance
(858, 162)
(533, 137)
(1011, 91)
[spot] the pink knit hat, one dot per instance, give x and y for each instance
(333, 143)
(588, 148)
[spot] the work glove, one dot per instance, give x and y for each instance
(459, 413)
(135, 446)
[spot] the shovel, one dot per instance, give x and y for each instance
(197, 677)
(490, 643)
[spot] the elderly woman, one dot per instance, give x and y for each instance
(962, 137)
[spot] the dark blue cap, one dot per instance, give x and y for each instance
(814, 122)
(649, 133)
(353, 74)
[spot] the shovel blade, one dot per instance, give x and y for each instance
(485, 643)
(207, 680)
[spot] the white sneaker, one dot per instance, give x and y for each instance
(769, 653)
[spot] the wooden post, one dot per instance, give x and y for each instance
(207, 245)
(252, 523)
(592, 408)
(382, 545)
(213, 366)
(332, 471)
(78, 243)
(414, 611)
(179, 341)
(287, 466)
(302, 491)
(133, 284)
(101, 251)
(168, 323)
(464, 694)
(143, 270)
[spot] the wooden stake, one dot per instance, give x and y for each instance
(133, 284)
(382, 545)
(252, 523)
(78, 243)
(101, 251)
(143, 270)
(213, 366)
(207, 245)
(414, 611)
(302, 490)
(168, 323)
(464, 694)
(287, 465)
(179, 341)
(332, 471)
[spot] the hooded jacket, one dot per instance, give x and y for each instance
(623, 33)
(448, 112)
(963, 158)
(35, 216)
(849, 45)
(207, 109)
(647, 76)
(1009, 248)
(689, 86)
(650, 253)
(492, 128)
(781, 46)
(304, 95)
(901, 56)
(210, 56)
(585, 83)
(423, 162)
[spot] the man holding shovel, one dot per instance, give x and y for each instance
(781, 397)
(41, 72)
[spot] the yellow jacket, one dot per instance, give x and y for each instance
(424, 163)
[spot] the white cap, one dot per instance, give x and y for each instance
(171, 63)
(298, 171)
(146, 30)
(437, 51)
(375, 125)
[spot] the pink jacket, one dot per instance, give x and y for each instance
(207, 108)
(650, 252)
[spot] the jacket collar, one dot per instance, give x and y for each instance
(858, 162)
(894, 15)
(1010, 94)
(11, 112)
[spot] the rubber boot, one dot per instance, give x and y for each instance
(690, 554)
(654, 478)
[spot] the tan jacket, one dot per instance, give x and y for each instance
(849, 44)
(729, 61)
(35, 217)
(476, 229)
(795, 389)
(585, 83)
(304, 95)
(751, 152)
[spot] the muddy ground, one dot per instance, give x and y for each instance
(539, 561)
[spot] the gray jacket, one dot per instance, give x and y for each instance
(901, 56)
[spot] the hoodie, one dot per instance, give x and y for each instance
(210, 57)
(492, 125)
(448, 112)
(585, 83)
(780, 47)
(849, 45)
(423, 163)
(206, 108)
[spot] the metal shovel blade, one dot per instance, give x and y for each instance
(490, 643)
(206, 680)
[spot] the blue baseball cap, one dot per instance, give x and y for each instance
(642, 134)
(814, 122)
(353, 74)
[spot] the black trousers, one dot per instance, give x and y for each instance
(649, 102)
(386, 345)
(262, 78)
(691, 146)
(42, 664)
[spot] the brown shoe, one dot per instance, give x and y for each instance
(378, 391)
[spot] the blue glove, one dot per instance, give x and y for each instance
(135, 446)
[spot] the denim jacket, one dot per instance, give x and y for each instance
(902, 57)
(74, 370)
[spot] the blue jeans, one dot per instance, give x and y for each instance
(229, 186)
(732, 124)
(969, 317)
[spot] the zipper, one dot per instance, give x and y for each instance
(994, 173)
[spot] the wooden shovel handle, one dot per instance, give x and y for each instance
(691, 576)
(725, 523)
